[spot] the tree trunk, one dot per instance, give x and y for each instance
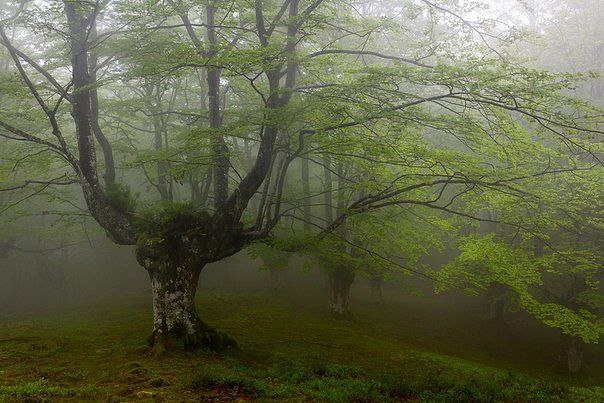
(276, 278)
(574, 354)
(81, 110)
(109, 175)
(175, 317)
(340, 281)
(219, 146)
(306, 195)
(497, 301)
(376, 290)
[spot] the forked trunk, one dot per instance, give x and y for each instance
(340, 281)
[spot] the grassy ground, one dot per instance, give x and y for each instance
(290, 351)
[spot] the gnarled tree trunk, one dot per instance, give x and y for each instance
(174, 265)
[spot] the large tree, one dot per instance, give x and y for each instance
(417, 107)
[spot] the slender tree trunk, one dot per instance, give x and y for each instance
(327, 197)
(81, 112)
(496, 300)
(342, 277)
(163, 185)
(340, 281)
(115, 222)
(219, 146)
(574, 354)
(194, 185)
(276, 276)
(109, 175)
(306, 194)
(162, 170)
(376, 290)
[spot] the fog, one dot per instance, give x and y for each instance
(406, 193)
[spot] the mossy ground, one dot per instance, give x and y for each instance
(290, 351)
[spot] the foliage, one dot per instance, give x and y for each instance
(272, 259)
(484, 261)
(120, 196)
(169, 218)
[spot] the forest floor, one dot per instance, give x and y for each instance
(291, 350)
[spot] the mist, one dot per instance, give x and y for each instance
(301, 200)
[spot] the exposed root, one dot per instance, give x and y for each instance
(206, 338)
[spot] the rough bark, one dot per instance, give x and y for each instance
(116, 223)
(81, 107)
(175, 318)
(109, 175)
(219, 147)
(497, 301)
(187, 244)
(174, 265)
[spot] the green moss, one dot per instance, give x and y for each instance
(98, 352)
(166, 218)
(42, 390)
(120, 196)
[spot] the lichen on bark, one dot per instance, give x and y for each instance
(174, 249)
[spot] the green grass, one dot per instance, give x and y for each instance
(290, 351)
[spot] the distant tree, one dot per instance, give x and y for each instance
(553, 275)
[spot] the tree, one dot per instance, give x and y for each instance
(553, 274)
(430, 121)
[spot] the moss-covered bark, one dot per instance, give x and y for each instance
(174, 255)
(175, 318)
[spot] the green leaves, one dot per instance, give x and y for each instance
(556, 289)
